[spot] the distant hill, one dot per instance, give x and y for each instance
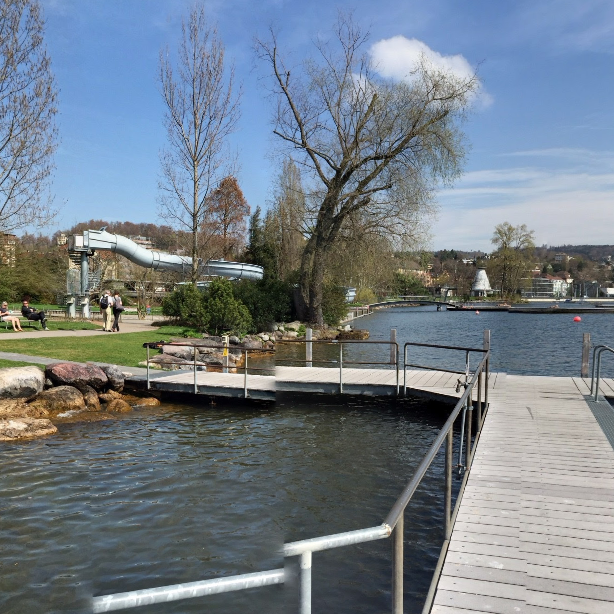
(592, 252)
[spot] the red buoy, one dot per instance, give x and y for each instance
(577, 319)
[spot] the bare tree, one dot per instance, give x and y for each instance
(202, 109)
(366, 144)
(28, 98)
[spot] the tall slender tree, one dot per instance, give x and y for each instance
(28, 106)
(228, 213)
(202, 109)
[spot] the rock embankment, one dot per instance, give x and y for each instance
(31, 401)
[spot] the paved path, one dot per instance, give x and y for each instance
(535, 530)
(132, 326)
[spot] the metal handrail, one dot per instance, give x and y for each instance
(429, 368)
(392, 526)
(598, 350)
(195, 364)
(341, 342)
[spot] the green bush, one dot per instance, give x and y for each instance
(366, 296)
(224, 312)
(268, 301)
(187, 306)
(334, 305)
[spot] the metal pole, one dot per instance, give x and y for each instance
(309, 347)
(393, 341)
(147, 367)
(340, 368)
(479, 405)
(195, 381)
(404, 371)
(397, 567)
(305, 586)
(586, 348)
(462, 438)
(448, 486)
(84, 274)
(245, 377)
(468, 453)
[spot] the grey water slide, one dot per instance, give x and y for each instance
(159, 261)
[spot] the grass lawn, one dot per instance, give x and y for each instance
(19, 363)
(125, 349)
(54, 325)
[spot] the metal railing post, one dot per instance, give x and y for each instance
(448, 484)
(341, 368)
(405, 370)
(305, 583)
(147, 367)
(397, 567)
(479, 403)
(462, 438)
(308, 347)
(393, 345)
(396, 353)
(245, 377)
(586, 349)
(195, 380)
(468, 453)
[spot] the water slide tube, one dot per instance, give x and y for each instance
(159, 261)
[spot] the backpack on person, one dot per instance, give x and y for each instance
(104, 302)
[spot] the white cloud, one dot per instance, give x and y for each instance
(397, 57)
(573, 203)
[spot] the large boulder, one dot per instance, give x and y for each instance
(21, 382)
(59, 400)
(353, 335)
(72, 374)
(180, 351)
(115, 376)
(19, 408)
(25, 428)
(118, 406)
(90, 396)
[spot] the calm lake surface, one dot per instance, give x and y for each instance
(188, 492)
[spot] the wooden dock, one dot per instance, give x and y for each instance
(535, 529)
(433, 385)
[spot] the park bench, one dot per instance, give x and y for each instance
(22, 321)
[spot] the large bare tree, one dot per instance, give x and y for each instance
(202, 109)
(369, 147)
(28, 98)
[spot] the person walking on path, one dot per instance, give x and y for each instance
(32, 313)
(7, 316)
(106, 310)
(117, 310)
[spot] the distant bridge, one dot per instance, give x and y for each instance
(415, 300)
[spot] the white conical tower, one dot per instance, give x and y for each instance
(481, 285)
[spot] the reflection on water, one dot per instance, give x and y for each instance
(185, 493)
(525, 344)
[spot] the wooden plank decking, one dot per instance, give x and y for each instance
(535, 530)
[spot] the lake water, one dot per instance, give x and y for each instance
(188, 492)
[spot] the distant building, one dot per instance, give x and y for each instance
(8, 245)
(561, 257)
(548, 286)
(481, 284)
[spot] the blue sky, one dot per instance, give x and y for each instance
(541, 132)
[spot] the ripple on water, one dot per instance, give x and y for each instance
(184, 493)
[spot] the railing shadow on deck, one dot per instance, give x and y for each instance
(393, 524)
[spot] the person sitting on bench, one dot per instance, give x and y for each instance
(34, 314)
(7, 316)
